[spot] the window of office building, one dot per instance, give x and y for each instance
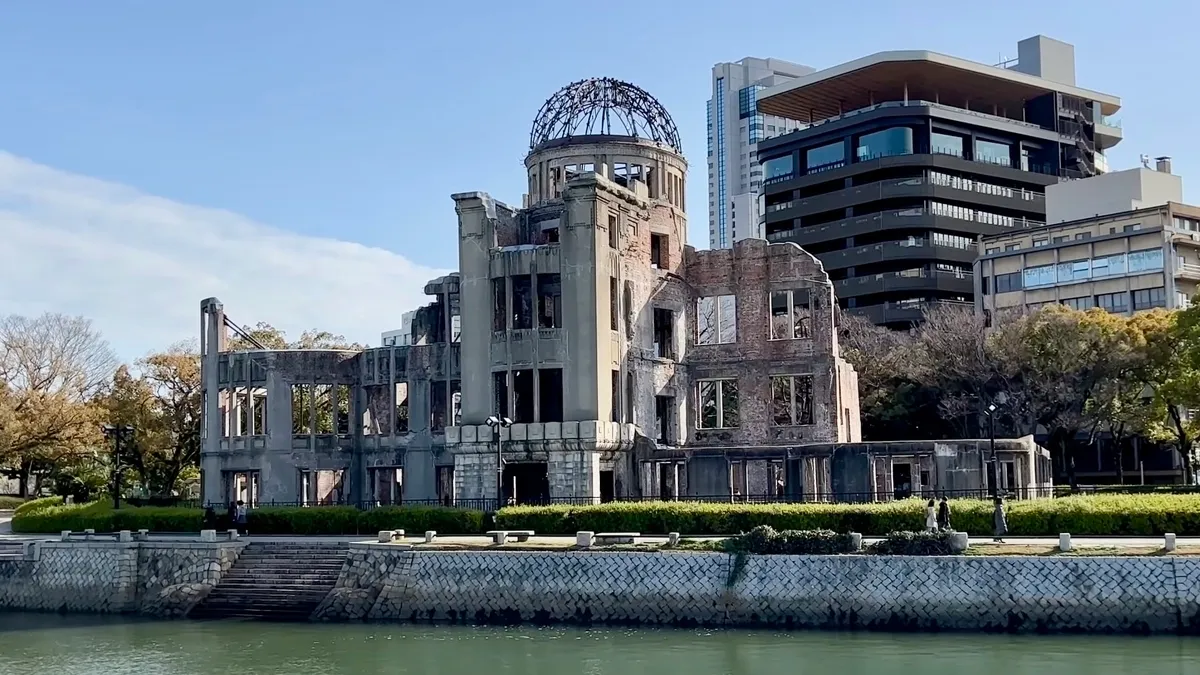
(1117, 303)
(1108, 265)
(1008, 282)
(954, 240)
(1077, 270)
(825, 156)
(1148, 298)
(779, 166)
(1149, 260)
(945, 144)
(1042, 275)
(1078, 303)
(886, 143)
(992, 152)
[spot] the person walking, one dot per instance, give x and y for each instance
(240, 515)
(999, 521)
(943, 515)
(931, 524)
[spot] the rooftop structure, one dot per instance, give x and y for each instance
(909, 156)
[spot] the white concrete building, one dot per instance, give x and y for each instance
(1115, 192)
(734, 129)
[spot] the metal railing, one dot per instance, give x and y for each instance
(907, 274)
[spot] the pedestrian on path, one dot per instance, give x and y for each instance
(931, 523)
(943, 515)
(241, 517)
(999, 521)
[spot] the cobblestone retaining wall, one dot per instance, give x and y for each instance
(1024, 594)
(154, 578)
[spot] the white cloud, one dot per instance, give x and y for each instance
(139, 265)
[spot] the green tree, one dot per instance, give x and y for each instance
(1170, 372)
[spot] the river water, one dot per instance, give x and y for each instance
(76, 645)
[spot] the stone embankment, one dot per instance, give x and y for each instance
(154, 578)
(1021, 594)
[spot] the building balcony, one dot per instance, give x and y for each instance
(902, 312)
(914, 103)
(1187, 271)
(968, 221)
(908, 280)
(938, 186)
(916, 250)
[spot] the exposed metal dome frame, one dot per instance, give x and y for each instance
(603, 106)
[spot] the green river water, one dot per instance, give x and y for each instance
(76, 645)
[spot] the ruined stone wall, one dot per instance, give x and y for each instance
(154, 578)
(1023, 594)
(750, 271)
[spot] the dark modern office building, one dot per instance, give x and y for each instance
(910, 156)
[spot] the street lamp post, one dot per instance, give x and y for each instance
(993, 460)
(117, 434)
(497, 423)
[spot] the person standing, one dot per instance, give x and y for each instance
(943, 515)
(241, 517)
(999, 521)
(931, 524)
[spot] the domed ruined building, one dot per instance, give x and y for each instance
(582, 353)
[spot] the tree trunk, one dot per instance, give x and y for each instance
(1119, 451)
(23, 479)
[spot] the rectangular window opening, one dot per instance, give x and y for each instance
(522, 302)
(718, 404)
(500, 394)
(664, 419)
(614, 309)
(499, 304)
(616, 396)
(614, 237)
(716, 320)
(550, 394)
(522, 396)
(549, 301)
(792, 400)
(659, 251)
(791, 317)
(401, 407)
(664, 333)
(302, 396)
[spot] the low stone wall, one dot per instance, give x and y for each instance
(1022, 594)
(154, 578)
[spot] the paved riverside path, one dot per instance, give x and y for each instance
(6, 522)
(564, 542)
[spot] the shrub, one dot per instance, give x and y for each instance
(419, 519)
(101, 517)
(8, 503)
(1148, 514)
(913, 543)
(764, 540)
(38, 504)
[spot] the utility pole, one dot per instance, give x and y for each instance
(117, 434)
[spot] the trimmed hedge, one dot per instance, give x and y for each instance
(8, 503)
(1098, 515)
(765, 540)
(38, 504)
(100, 516)
(913, 543)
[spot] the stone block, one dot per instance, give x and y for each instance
(233, 535)
(672, 539)
(855, 541)
(587, 430)
(1064, 541)
(553, 430)
(385, 536)
(519, 432)
(430, 537)
(65, 536)
(536, 432)
(470, 434)
(453, 434)
(570, 429)
(143, 535)
(208, 535)
(1169, 542)
(124, 536)
(959, 541)
(585, 539)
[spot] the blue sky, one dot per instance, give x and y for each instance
(269, 127)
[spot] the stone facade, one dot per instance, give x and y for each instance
(1019, 594)
(161, 579)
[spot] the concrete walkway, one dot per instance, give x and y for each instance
(564, 542)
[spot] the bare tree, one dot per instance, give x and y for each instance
(51, 369)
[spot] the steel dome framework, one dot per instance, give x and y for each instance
(605, 106)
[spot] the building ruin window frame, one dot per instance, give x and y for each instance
(720, 390)
(796, 417)
(799, 327)
(719, 335)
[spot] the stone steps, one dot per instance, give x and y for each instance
(275, 582)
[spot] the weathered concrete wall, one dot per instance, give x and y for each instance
(154, 578)
(1133, 594)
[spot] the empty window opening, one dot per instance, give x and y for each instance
(401, 407)
(522, 302)
(258, 412)
(792, 400)
(552, 235)
(323, 407)
(621, 174)
(343, 406)
(242, 486)
(329, 486)
(387, 484)
(776, 481)
(499, 304)
(716, 320)
(791, 317)
(630, 319)
(902, 480)
(614, 309)
(664, 419)
(549, 301)
(522, 396)
(500, 394)
(664, 333)
(550, 394)
(718, 403)
(737, 478)
(614, 237)
(526, 483)
(630, 398)
(607, 486)
(444, 404)
(302, 396)
(651, 182)
(616, 396)
(660, 251)
(444, 475)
